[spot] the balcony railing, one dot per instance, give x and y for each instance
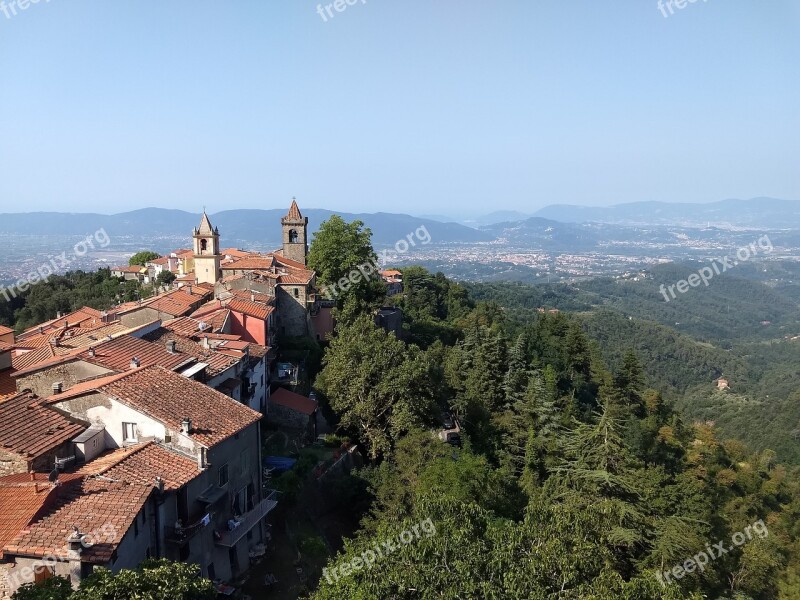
(247, 521)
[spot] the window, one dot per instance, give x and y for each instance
(244, 462)
(223, 475)
(296, 293)
(129, 432)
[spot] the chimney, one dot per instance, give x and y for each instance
(252, 297)
(58, 314)
(206, 345)
(159, 485)
(92, 352)
(135, 364)
(201, 458)
(74, 549)
(189, 289)
(58, 387)
(172, 346)
(186, 426)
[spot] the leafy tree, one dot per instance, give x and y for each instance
(140, 258)
(152, 580)
(339, 250)
(165, 278)
(378, 386)
(54, 588)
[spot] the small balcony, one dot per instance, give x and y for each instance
(246, 522)
(184, 535)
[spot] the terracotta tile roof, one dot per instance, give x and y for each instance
(21, 498)
(295, 402)
(5, 347)
(187, 277)
(104, 508)
(235, 253)
(89, 386)
(252, 296)
(177, 303)
(24, 360)
(169, 397)
(185, 326)
(216, 316)
(288, 262)
(251, 309)
(159, 261)
(142, 463)
(183, 252)
(78, 317)
(204, 286)
(118, 353)
(29, 428)
(8, 385)
(215, 361)
(294, 280)
(5, 330)
(294, 212)
(250, 263)
(129, 269)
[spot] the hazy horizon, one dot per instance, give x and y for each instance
(418, 108)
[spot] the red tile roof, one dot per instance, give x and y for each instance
(5, 347)
(8, 385)
(250, 263)
(5, 330)
(216, 362)
(294, 212)
(142, 463)
(169, 397)
(295, 402)
(21, 498)
(29, 428)
(118, 353)
(251, 309)
(129, 269)
(104, 509)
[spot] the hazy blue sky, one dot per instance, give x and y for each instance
(444, 106)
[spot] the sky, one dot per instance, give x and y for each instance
(450, 107)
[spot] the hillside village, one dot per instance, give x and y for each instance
(136, 432)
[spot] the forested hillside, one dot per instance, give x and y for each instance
(575, 478)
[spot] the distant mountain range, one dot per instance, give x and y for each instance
(555, 228)
(237, 227)
(759, 213)
(764, 213)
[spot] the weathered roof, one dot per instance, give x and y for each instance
(292, 401)
(29, 428)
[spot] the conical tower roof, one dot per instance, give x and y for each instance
(294, 212)
(205, 226)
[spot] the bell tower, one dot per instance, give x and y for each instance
(207, 258)
(295, 234)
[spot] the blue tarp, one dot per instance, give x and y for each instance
(279, 463)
